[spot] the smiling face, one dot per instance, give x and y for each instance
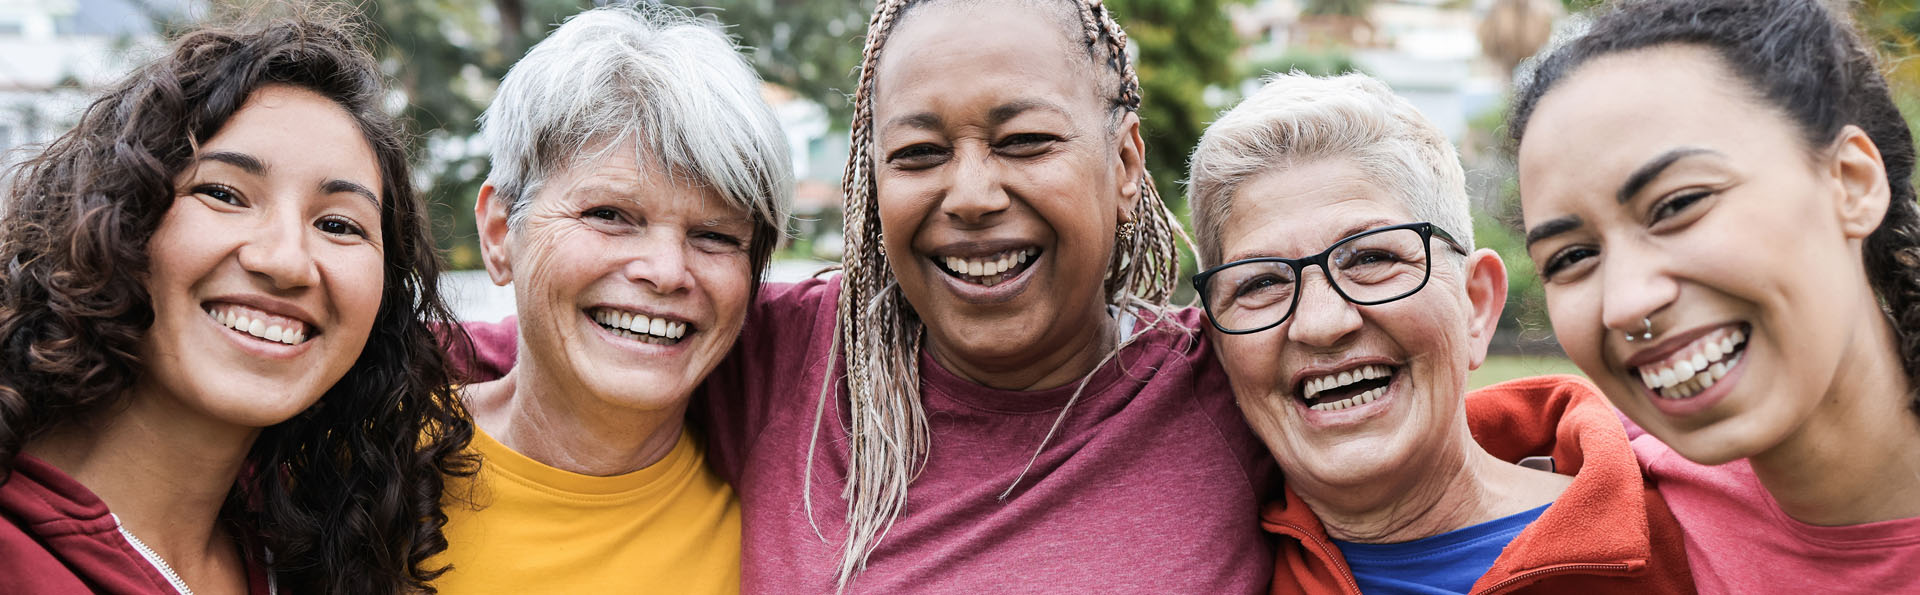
(1388, 379)
(265, 274)
(1000, 181)
(1656, 188)
(630, 284)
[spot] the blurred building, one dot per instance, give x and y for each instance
(56, 54)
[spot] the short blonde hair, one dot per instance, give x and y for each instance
(1295, 119)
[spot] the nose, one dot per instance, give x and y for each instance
(277, 252)
(1321, 318)
(661, 262)
(1635, 286)
(974, 192)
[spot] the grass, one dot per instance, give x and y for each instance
(1507, 367)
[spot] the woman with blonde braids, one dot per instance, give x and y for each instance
(994, 394)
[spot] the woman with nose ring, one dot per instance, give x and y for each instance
(1718, 195)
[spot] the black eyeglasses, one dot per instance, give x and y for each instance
(1372, 267)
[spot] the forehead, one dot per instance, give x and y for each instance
(1619, 111)
(621, 175)
(1299, 210)
(954, 55)
(299, 134)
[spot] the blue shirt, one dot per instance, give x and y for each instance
(1447, 563)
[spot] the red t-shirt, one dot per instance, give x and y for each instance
(1152, 485)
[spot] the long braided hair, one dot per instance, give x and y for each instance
(888, 437)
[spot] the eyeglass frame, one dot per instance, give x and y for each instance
(1427, 230)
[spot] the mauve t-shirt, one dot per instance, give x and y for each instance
(1152, 484)
(1739, 541)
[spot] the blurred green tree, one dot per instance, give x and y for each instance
(448, 55)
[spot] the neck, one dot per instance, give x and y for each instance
(1853, 460)
(565, 426)
(1071, 362)
(1461, 487)
(165, 471)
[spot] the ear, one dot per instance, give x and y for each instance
(1131, 166)
(1862, 176)
(490, 216)
(1487, 291)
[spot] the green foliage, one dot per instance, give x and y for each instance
(1183, 47)
(1345, 8)
(1327, 61)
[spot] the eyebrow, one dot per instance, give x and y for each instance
(922, 120)
(1651, 169)
(1007, 111)
(253, 166)
(1553, 227)
(245, 162)
(333, 186)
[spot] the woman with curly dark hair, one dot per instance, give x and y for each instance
(216, 366)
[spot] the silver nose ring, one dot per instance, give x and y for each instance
(1646, 335)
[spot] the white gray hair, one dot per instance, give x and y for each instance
(1295, 119)
(667, 82)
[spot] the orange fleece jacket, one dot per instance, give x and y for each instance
(1610, 532)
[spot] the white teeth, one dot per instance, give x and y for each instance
(988, 266)
(1315, 386)
(1696, 368)
(1353, 401)
(640, 324)
(230, 317)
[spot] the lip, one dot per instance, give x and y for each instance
(1702, 401)
(1662, 350)
(1352, 416)
(978, 248)
(1001, 293)
(1298, 382)
(637, 347)
(256, 346)
(649, 312)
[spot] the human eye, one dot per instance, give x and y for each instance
(339, 226)
(917, 156)
(1567, 264)
(1676, 204)
(601, 214)
(1026, 144)
(220, 192)
(714, 241)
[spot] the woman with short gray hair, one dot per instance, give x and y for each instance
(639, 185)
(1396, 479)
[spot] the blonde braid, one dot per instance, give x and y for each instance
(888, 439)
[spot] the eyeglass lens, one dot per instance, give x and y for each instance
(1378, 267)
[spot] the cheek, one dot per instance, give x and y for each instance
(356, 284)
(1574, 313)
(727, 280)
(1252, 362)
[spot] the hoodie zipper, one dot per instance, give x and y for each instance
(1326, 553)
(1515, 579)
(153, 558)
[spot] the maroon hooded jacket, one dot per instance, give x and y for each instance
(60, 538)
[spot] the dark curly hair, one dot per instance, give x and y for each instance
(345, 495)
(1807, 62)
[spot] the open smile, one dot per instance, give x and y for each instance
(1346, 389)
(990, 269)
(1697, 366)
(260, 325)
(635, 326)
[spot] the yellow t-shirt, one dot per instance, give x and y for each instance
(673, 527)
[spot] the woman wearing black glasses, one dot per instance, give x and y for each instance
(1348, 311)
